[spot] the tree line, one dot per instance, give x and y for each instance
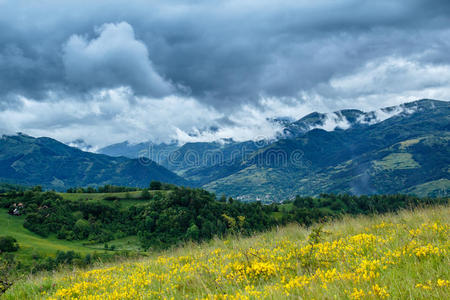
(163, 219)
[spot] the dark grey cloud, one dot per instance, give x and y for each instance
(223, 52)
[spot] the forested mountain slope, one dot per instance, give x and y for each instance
(44, 161)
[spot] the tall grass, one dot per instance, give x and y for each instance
(399, 256)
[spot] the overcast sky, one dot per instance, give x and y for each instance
(109, 71)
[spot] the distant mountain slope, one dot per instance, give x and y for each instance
(153, 151)
(407, 152)
(47, 162)
(201, 162)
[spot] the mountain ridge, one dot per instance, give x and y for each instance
(55, 165)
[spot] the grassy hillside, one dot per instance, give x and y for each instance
(31, 243)
(400, 256)
(101, 196)
(435, 188)
(126, 199)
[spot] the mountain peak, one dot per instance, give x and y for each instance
(347, 118)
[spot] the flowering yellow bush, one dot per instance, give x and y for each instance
(379, 260)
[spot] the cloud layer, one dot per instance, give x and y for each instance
(163, 69)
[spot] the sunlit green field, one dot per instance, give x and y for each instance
(126, 199)
(31, 243)
(100, 196)
(395, 256)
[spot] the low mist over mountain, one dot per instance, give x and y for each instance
(395, 149)
(400, 149)
(407, 152)
(338, 120)
(347, 151)
(347, 118)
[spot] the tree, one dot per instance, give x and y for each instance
(8, 244)
(37, 188)
(231, 222)
(241, 222)
(155, 185)
(193, 233)
(145, 194)
(82, 228)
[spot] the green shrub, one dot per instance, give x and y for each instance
(8, 244)
(155, 185)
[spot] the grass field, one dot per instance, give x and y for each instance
(436, 188)
(397, 161)
(31, 243)
(100, 196)
(126, 199)
(398, 256)
(129, 243)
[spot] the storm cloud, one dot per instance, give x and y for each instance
(261, 58)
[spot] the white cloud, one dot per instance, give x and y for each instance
(333, 121)
(392, 75)
(380, 83)
(113, 59)
(115, 115)
(109, 116)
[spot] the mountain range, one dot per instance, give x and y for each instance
(399, 149)
(405, 153)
